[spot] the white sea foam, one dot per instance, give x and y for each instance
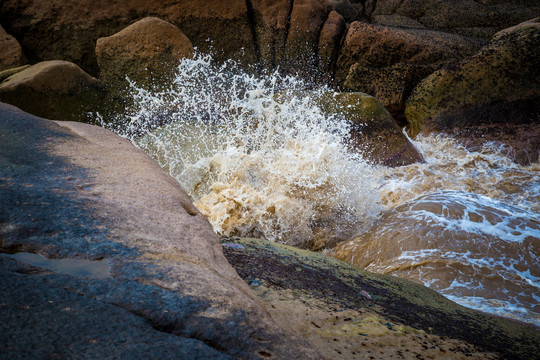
(257, 154)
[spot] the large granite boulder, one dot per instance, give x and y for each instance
(11, 55)
(388, 62)
(77, 191)
(498, 86)
(148, 49)
(56, 89)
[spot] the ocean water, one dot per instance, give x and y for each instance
(260, 159)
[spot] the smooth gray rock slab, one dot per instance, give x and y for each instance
(72, 190)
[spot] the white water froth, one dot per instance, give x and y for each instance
(257, 155)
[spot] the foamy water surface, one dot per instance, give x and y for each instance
(260, 159)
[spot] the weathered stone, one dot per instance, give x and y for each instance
(330, 303)
(374, 132)
(391, 85)
(498, 85)
(57, 89)
(271, 23)
(388, 62)
(75, 190)
(12, 71)
(148, 49)
(11, 54)
(344, 8)
(330, 41)
(480, 19)
(69, 29)
(378, 46)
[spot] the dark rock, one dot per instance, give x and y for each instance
(11, 55)
(388, 62)
(480, 19)
(50, 316)
(12, 71)
(306, 20)
(345, 289)
(391, 85)
(330, 41)
(69, 29)
(374, 132)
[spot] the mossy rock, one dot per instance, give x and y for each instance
(322, 283)
(374, 132)
(500, 84)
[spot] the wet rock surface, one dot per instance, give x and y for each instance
(71, 190)
(374, 132)
(343, 310)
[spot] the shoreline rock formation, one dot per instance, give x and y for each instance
(72, 190)
(76, 191)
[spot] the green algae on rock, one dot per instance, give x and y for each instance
(374, 132)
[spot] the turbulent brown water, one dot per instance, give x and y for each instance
(260, 164)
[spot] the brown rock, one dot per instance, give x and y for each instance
(374, 133)
(58, 89)
(69, 29)
(391, 85)
(11, 54)
(149, 48)
(271, 23)
(306, 19)
(11, 71)
(378, 46)
(346, 312)
(499, 85)
(388, 62)
(330, 41)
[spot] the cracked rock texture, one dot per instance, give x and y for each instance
(72, 190)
